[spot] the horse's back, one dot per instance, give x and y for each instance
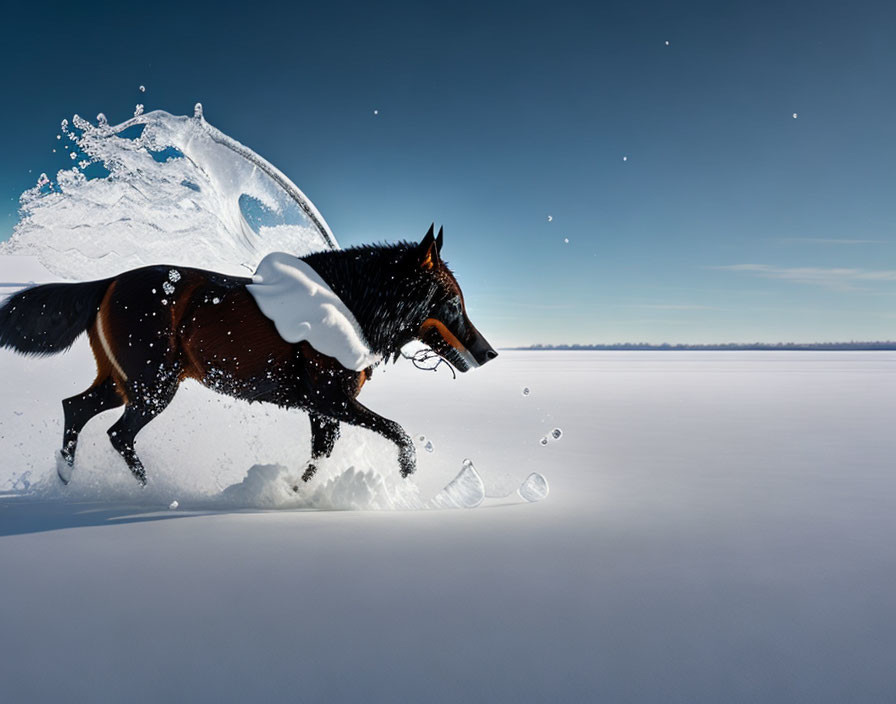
(172, 316)
(167, 320)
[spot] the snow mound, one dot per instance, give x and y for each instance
(276, 487)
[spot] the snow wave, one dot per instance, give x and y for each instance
(162, 188)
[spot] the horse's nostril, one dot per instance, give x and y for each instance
(491, 354)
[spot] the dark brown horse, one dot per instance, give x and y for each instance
(153, 327)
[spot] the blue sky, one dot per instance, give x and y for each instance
(696, 207)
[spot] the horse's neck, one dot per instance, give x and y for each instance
(371, 283)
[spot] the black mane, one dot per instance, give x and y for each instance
(385, 288)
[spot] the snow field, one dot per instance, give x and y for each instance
(718, 529)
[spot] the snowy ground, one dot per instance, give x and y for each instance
(719, 528)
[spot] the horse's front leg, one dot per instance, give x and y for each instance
(350, 410)
(324, 432)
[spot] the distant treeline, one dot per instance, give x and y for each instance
(732, 346)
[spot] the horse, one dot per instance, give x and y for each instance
(302, 333)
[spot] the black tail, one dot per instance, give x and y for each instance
(47, 319)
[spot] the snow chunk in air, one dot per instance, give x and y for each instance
(535, 488)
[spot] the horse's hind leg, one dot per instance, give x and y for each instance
(78, 410)
(137, 414)
(324, 432)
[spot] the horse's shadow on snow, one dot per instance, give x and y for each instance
(21, 515)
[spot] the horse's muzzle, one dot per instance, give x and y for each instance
(481, 351)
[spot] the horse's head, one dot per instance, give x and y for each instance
(445, 326)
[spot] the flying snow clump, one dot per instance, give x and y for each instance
(535, 488)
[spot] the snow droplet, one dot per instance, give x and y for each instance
(216, 300)
(625, 158)
(197, 110)
(58, 136)
(376, 112)
(173, 275)
(429, 446)
(173, 505)
(535, 488)
(543, 441)
(526, 391)
(466, 490)
(422, 438)
(667, 42)
(138, 110)
(556, 434)
(168, 287)
(566, 240)
(142, 89)
(550, 218)
(795, 116)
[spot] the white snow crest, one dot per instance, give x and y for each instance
(174, 190)
(276, 487)
(303, 307)
(273, 486)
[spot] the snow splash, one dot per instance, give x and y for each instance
(361, 475)
(161, 188)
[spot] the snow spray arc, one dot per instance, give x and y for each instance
(163, 188)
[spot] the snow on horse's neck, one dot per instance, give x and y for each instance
(304, 307)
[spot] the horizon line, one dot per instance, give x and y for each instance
(853, 345)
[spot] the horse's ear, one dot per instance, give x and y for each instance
(440, 240)
(428, 251)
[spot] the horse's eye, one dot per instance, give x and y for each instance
(453, 307)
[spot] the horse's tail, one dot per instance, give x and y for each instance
(47, 319)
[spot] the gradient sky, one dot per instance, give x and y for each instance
(696, 207)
